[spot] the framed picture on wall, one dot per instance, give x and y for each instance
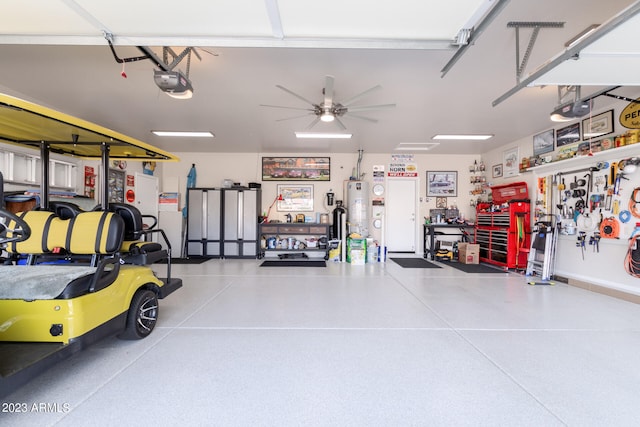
(543, 142)
(442, 184)
(601, 124)
(496, 170)
(568, 135)
(296, 168)
(510, 162)
(295, 198)
(116, 185)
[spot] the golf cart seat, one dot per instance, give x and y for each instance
(98, 234)
(88, 233)
(48, 235)
(65, 210)
(135, 248)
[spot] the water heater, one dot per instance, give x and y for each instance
(358, 207)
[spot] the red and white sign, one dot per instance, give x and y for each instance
(406, 170)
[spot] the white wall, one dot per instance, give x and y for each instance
(604, 268)
(213, 168)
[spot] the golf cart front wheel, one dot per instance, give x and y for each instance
(142, 315)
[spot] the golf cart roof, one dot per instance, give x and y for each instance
(28, 124)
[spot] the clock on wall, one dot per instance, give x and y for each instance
(378, 189)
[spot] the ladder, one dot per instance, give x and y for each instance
(542, 254)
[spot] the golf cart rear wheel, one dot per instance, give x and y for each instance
(142, 315)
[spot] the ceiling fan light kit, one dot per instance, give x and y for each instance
(329, 111)
(327, 116)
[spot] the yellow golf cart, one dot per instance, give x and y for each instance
(83, 275)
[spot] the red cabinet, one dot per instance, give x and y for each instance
(503, 226)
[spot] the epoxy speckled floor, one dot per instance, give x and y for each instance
(374, 345)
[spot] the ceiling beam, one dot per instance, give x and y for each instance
(475, 34)
(273, 12)
(573, 52)
(200, 41)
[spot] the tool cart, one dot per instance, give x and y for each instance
(503, 226)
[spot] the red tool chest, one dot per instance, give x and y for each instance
(503, 226)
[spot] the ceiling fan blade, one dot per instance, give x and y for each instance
(291, 118)
(295, 94)
(360, 95)
(287, 108)
(340, 124)
(355, 116)
(328, 91)
(313, 123)
(371, 107)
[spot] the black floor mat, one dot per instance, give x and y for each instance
(286, 263)
(475, 268)
(414, 263)
(195, 260)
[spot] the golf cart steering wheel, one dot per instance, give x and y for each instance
(19, 233)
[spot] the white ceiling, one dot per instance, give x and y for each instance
(55, 53)
(238, 22)
(618, 49)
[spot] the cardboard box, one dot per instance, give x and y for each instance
(468, 253)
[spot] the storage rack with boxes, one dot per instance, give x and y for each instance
(503, 226)
(293, 240)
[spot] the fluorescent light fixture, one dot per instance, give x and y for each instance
(416, 146)
(182, 134)
(321, 135)
(584, 33)
(463, 137)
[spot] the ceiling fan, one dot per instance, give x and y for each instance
(328, 110)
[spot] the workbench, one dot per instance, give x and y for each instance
(429, 235)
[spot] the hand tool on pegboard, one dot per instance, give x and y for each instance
(582, 237)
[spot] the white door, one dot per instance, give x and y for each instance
(146, 190)
(401, 208)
